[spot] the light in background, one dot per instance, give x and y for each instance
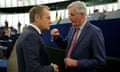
(24, 17)
(18, 3)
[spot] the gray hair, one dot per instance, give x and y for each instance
(80, 6)
(36, 10)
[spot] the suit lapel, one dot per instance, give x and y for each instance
(83, 33)
(71, 34)
(30, 27)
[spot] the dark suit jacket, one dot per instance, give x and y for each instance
(31, 52)
(89, 49)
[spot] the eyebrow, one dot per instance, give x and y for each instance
(72, 14)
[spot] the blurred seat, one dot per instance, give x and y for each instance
(3, 63)
(3, 51)
(1, 54)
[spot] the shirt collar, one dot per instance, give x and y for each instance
(82, 26)
(36, 28)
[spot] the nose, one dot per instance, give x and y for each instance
(70, 17)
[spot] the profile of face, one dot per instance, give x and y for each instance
(44, 20)
(74, 16)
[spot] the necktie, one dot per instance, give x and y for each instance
(73, 43)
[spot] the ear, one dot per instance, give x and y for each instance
(37, 17)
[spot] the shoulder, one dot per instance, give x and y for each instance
(28, 34)
(93, 27)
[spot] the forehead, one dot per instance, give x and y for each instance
(72, 9)
(46, 12)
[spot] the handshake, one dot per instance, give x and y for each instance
(55, 66)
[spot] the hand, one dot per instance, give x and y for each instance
(55, 66)
(69, 62)
(55, 32)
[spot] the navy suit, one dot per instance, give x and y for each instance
(89, 49)
(31, 52)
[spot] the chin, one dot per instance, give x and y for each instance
(73, 24)
(48, 28)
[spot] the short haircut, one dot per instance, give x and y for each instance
(36, 10)
(80, 6)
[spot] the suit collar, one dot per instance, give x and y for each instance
(36, 28)
(33, 29)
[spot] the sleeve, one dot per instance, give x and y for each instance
(62, 43)
(31, 55)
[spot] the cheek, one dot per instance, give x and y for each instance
(75, 19)
(46, 23)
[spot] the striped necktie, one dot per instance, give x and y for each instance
(72, 43)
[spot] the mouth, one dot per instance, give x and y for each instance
(73, 24)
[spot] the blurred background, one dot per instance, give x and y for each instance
(14, 19)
